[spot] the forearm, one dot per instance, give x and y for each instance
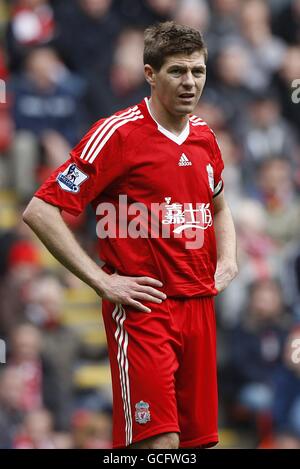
(226, 246)
(47, 223)
(225, 236)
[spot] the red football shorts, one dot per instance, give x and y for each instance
(163, 367)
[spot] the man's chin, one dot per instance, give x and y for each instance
(184, 109)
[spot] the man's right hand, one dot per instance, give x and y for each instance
(129, 290)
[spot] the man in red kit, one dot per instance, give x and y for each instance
(152, 173)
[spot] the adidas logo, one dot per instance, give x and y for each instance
(184, 161)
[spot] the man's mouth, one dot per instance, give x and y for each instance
(186, 95)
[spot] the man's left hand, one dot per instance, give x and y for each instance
(225, 273)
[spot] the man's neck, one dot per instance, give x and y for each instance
(175, 124)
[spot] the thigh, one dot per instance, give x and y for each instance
(162, 441)
(196, 379)
(143, 365)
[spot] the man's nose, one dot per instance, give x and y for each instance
(188, 80)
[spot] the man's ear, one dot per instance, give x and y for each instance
(150, 74)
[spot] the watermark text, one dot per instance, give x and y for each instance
(296, 92)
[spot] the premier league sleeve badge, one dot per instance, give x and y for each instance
(71, 178)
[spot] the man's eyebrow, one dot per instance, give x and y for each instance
(184, 67)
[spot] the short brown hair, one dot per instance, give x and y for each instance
(164, 39)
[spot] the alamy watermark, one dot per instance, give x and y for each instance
(295, 357)
(2, 351)
(296, 92)
(2, 92)
(157, 220)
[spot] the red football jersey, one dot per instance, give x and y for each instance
(152, 192)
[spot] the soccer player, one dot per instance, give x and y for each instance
(163, 266)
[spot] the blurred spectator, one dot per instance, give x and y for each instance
(284, 440)
(210, 111)
(265, 51)
(8, 238)
(4, 72)
(288, 72)
(287, 23)
(231, 154)
(47, 112)
(91, 430)
(6, 122)
(266, 134)
(224, 22)
(47, 96)
(25, 356)
(231, 81)
(145, 12)
(286, 405)
(257, 344)
(194, 13)
(87, 30)
(21, 265)
(276, 190)
(61, 347)
(125, 83)
(32, 23)
(4, 15)
(256, 258)
(290, 274)
(161, 8)
(11, 409)
(36, 432)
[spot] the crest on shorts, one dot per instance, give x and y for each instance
(142, 412)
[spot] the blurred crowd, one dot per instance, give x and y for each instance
(67, 63)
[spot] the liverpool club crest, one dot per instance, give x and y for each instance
(142, 412)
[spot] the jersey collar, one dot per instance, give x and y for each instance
(179, 139)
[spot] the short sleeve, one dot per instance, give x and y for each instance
(95, 163)
(218, 166)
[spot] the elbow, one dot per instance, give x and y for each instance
(38, 213)
(30, 213)
(26, 215)
(234, 270)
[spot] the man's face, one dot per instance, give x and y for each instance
(179, 83)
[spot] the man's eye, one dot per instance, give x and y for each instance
(198, 73)
(175, 71)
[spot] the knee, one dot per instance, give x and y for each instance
(165, 441)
